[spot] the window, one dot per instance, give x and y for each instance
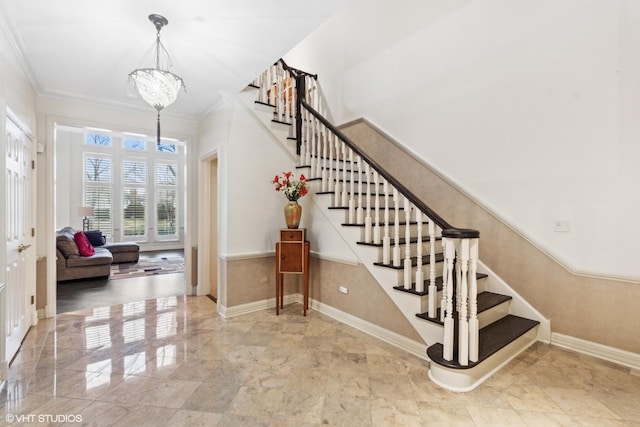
(98, 191)
(166, 199)
(165, 147)
(134, 200)
(134, 144)
(135, 185)
(97, 139)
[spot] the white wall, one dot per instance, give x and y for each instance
(251, 211)
(16, 91)
(529, 106)
(17, 94)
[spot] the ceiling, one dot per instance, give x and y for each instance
(85, 49)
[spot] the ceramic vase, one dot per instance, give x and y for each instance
(292, 214)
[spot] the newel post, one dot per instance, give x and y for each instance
(460, 291)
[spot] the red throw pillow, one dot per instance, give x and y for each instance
(84, 247)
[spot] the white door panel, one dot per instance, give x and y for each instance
(20, 259)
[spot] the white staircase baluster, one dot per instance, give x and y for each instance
(386, 240)
(292, 100)
(305, 133)
(311, 131)
(330, 183)
(407, 249)
(337, 196)
(433, 289)
(419, 274)
(318, 159)
(376, 227)
(367, 218)
(325, 161)
(345, 202)
(445, 278)
(447, 346)
(473, 301)
(286, 110)
(458, 273)
(463, 294)
(279, 102)
(360, 209)
(317, 129)
(396, 229)
(352, 200)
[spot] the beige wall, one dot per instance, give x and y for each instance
(594, 309)
(251, 280)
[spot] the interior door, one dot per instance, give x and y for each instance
(20, 259)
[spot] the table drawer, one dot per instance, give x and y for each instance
(292, 235)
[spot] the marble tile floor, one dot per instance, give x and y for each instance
(173, 361)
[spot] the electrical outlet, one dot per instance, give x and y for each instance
(562, 225)
(343, 289)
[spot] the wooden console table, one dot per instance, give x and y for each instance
(292, 257)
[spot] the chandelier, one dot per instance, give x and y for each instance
(157, 86)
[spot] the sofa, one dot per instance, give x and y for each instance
(71, 265)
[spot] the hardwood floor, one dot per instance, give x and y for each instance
(82, 294)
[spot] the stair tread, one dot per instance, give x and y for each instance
(281, 122)
(426, 287)
(486, 300)
(491, 339)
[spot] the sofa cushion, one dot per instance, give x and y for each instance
(84, 247)
(101, 257)
(67, 246)
(117, 247)
(96, 238)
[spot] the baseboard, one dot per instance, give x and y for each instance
(239, 310)
(604, 352)
(41, 313)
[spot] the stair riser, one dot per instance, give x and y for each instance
(494, 314)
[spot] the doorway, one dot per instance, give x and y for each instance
(164, 182)
(213, 227)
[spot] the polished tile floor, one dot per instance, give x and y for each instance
(173, 361)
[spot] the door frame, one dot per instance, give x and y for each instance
(204, 225)
(50, 205)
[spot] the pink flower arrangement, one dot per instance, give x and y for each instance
(292, 188)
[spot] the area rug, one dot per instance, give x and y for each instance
(148, 267)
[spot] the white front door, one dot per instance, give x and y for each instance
(20, 258)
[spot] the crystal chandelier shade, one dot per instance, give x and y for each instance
(157, 86)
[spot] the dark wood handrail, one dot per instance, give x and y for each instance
(447, 229)
(296, 72)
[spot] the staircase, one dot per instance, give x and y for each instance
(472, 322)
